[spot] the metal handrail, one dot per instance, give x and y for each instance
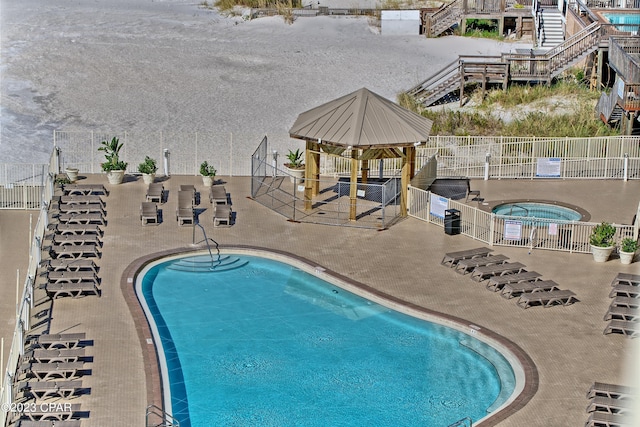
(167, 420)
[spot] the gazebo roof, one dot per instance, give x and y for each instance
(362, 119)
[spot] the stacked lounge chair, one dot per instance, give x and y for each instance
(623, 315)
(510, 279)
(222, 211)
(185, 214)
(610, 405)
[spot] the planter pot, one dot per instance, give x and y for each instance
(626, 257)
(72, 174)
(295, 175)
(601, 254)
(148, 178)
(115, 177)
(207, 181)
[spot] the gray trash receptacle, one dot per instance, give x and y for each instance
(452, 221)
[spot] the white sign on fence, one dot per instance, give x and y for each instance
(548, 167)
(438, 206)
(512, 230)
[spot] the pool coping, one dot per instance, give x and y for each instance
(154, 386)
(489, 205)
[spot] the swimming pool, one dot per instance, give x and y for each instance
(269, 344)
(624, 21)
(537, 210)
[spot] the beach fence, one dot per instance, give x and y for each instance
(502, 230)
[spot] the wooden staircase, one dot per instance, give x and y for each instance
(528, 66)
(444, 18)
(551, 28)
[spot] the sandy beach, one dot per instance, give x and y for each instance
(172, 65)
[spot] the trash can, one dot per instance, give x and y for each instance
(452, 221)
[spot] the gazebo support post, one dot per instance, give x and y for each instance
(353, 187)
(311, 173)
(365, 171)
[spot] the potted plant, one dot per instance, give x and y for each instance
(628, 248)
(113, 166)
(208, 172)
(148, 169)
(601, 241)
(295, 166)
(72, 173)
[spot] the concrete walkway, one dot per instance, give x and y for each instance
(566, 344)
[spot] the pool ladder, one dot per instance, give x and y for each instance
(520, 207)
(156, 417)
(465, 422)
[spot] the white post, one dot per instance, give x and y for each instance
(231, 154)
(30, 230)
(275, 162)
(165, 159)
(17, 292)
(626, 167)
(487, 159)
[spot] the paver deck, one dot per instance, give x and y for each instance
(567, 345)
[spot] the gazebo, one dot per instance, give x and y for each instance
(369, 125)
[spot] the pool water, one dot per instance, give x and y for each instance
(624, 21)
(537, 210)
(267, 344)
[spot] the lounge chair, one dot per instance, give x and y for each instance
(625, 302)
(218, 195)
(47, 371)
(452, 258)
(60, 411)
(614, 391)
(64, 229)
(84, 208)
(497, 282)
(185, 213)
(51, 341)
(622, 290)
(610, 405)
(48, 389)
(90, 218)
(622, 313)
(627, 279)
(191, 190)
(625, 327)
(84, 189)
(149, 213)
(74, 251)
(63, 276)
(155, 193)
(76, 239)
(512, 290)
(50, 423)
(79, 199)
(546, 299)
(464, 266)
(42, 355)
(604, 419)
(81, 264)
(73, 289)
(482, 273)
(222, 214)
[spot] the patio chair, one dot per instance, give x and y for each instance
(47, 371)
(512, 290)
(149, 213)
(64, 229)
(546, 299)
(82, 264)
(42, 355)
(63, 276)
(622, 290)
(473, 194)
(625, 302)
(600, 419)
(191, 190)
(222, 214)
(185, 213)
(76, 239)
(57, 413)
(81, 208)
(218, 195)
(452, 258)
(610, 405)
(482, 273)
(464, 266)
(155, 192)
(79, 199)
(88, 218)
(49, 389)
(74, 251)
(84, 189)
(49, 423)
(624, 327)
(613, 391)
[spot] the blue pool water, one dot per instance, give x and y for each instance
(537, 210)
(624, 21)
(267, 344)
